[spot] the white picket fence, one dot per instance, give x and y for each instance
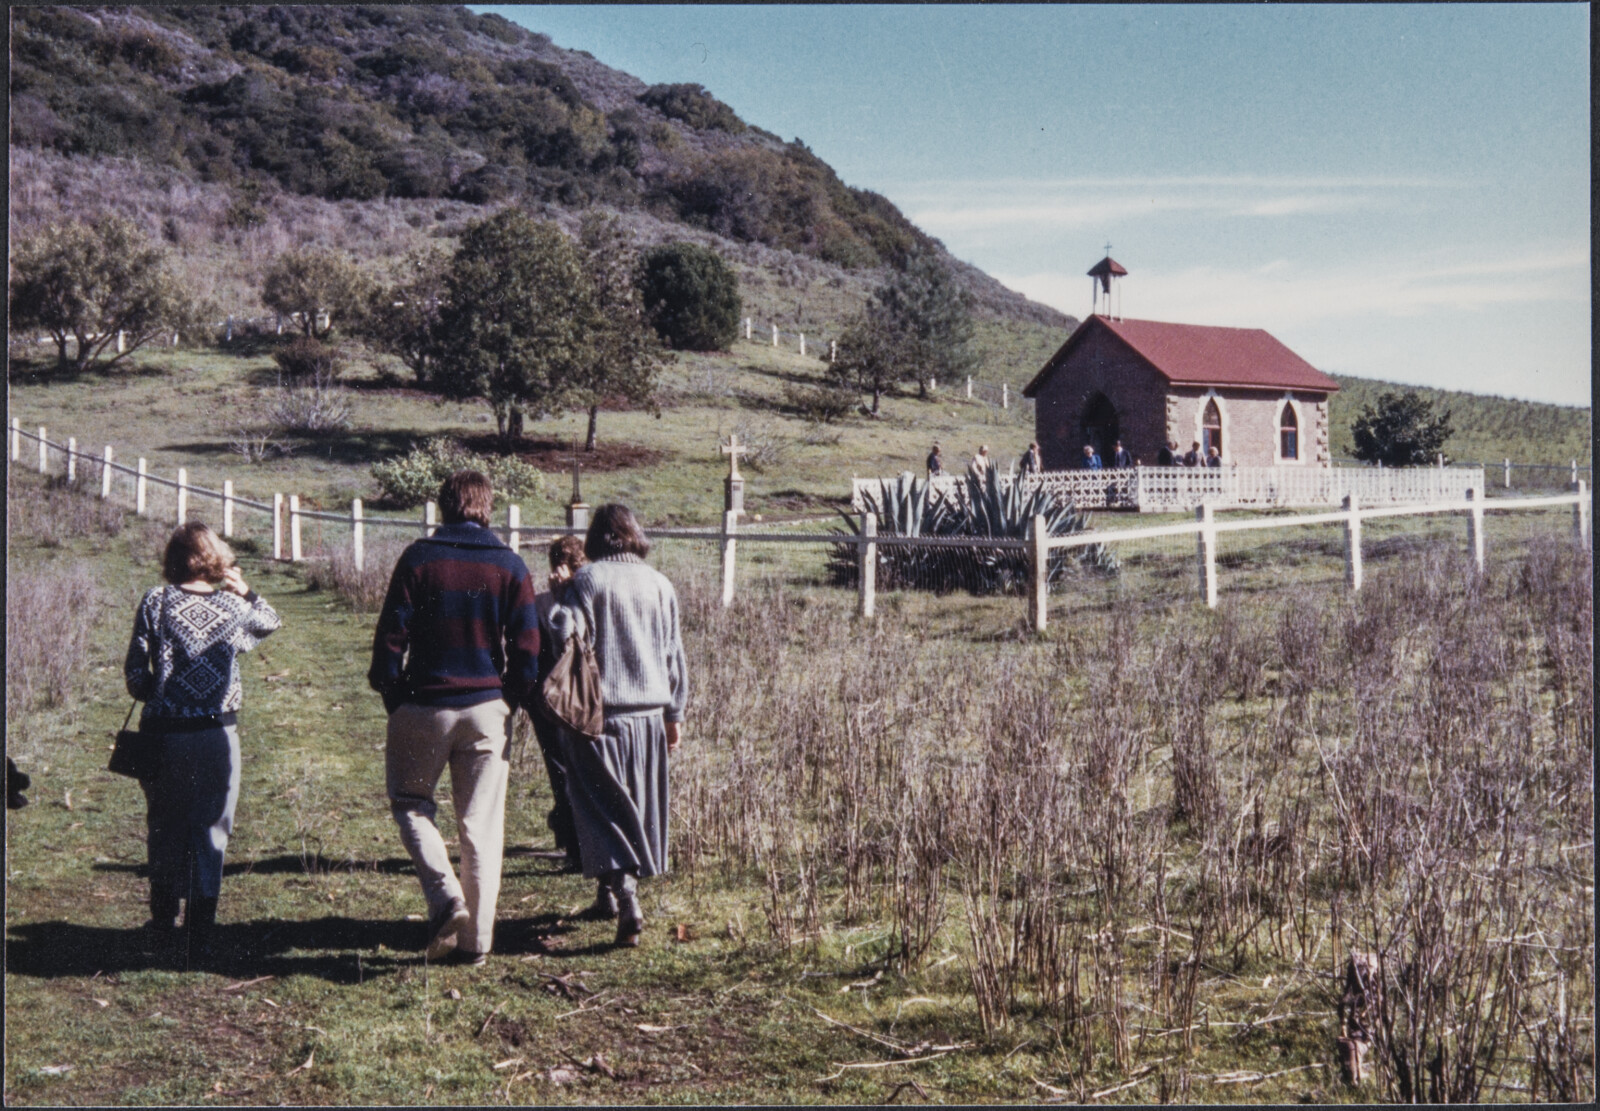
(1180, 489)
(288, 516)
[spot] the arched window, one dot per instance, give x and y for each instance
(1288, 434)
(1211, 428)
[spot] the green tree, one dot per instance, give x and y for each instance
(402, 317)
(91, 282)
(625, 354)
(314, 284)
(515, 323)
(691, 296)
(1400, 430)
(930, 318)
(871, 356)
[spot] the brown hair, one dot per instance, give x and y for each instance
(466, 496)
(195, 552)
(615, 531)
(567, 551)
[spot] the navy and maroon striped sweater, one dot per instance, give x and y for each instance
(458, 625)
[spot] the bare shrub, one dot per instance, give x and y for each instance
(55, 512)
(49, 616)
(312, 410)
(257, 445)
(363, 590)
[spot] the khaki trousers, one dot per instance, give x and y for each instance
(475, 742)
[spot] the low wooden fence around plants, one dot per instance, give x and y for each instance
(1029, 567)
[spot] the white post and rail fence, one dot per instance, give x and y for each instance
(288, 516)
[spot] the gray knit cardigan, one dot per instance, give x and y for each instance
(633, 611)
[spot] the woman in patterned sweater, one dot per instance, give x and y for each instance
(182, 664)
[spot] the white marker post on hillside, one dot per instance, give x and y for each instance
(277, 525)
(296, 553)
(16, 439)
(1475, 529)
(774, 335)
(105, 474)
(139, 489)
(44, 451)
(358, 547)
(72, 458)
(183, 495)
(1352, 542)
(227, 509)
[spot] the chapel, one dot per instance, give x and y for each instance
(1148, 383)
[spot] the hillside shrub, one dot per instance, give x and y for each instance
(307, 360)
(820, 404)
(691, 296)
(414, 478)
(694, 106)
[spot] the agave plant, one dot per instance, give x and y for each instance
(982, 510)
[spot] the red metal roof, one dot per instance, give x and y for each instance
(1199, 355)
(1108, 265)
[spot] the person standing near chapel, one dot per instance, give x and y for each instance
(1032, 461)
(1091, 459)
(454, 655)
(935, 462)
(1168, 455)
(1194, 457)
(1121, 457)
(978, 469)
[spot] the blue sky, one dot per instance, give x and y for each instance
(1395, 191)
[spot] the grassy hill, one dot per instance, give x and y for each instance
(221, 127)
(1486, 428)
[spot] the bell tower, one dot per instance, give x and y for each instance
(1105, 273)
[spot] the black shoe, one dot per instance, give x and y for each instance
(630, 920)
(443, 926)
(604, 907)
(200, 926)
(467, 958)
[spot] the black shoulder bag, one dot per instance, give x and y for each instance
(137, 753)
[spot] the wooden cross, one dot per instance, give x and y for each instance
(733, 449)
(577, 498)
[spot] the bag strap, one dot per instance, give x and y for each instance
(131, 707)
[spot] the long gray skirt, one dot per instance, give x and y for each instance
(618, 789)
(189, 810)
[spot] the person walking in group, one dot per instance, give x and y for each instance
(935, 462)
(1032, 461)
(1168, 455)
(182, 663)
(1194, 457)
(1121, 457)
(979, 467)
(455, 653)
(1091, 459)
(618, 782)
(1213, 458)
(566, 556)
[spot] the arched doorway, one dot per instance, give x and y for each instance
(1100, 425)
(1211, 428)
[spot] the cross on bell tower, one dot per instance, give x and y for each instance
(1105, 272)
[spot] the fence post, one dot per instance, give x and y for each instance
(430, 517)
(105, 474)
(72, 458)
(774, 335)
(730, 522)
(358, 546)
(969, 387)
(1041, 572)
(1475, 528)
(867, 563)
(44, 448)
(183, 495)
(1352, 542)
(1005, 395)
(802, 343)
(139, 489)
(747, 327)
(227, 509)
(277, 526)
(295, 552)
(16, 439)
(513, 525)
(833, 350)
(1207, 544)
(1574, 472)
(1508, 474)
(1580, 514)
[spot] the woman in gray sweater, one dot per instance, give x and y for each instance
(183, 665)
(617, 784)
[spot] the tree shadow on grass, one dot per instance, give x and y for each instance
(287, 864)
(364, 446)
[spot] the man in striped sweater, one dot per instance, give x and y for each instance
(455, 653)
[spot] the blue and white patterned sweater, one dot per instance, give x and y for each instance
(183, 659)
